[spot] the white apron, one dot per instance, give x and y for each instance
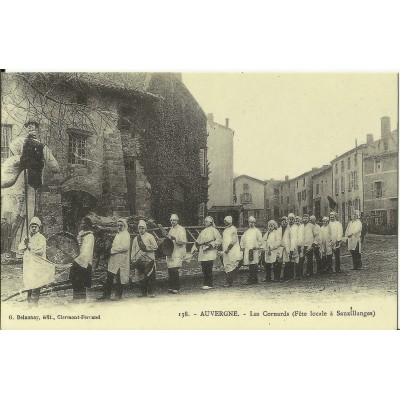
(120, 259)
(231, 260)
(250, 239)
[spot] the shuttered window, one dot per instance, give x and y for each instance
(6, 137)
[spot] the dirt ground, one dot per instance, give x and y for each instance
(377, 278)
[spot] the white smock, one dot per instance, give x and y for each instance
(250, 239)
(119, 258)
(211, 236)
(271, 244)
(231, 260)
(354, 228)
(179, 254)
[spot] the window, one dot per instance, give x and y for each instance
(304, 194)
(246, 198)
(336, 168)
(349, 209)
(342, 166)
(202, 210)
(336, 186)
(297, 183)
(304, 181)
(317, 188)
(322, 186)
(349, 163)
(378, 189)
(276, 192)
(281, 199)
(355, 159)
(6, 136)
(379, 217)
(342, 184)
(355, 179)
(203, 162)
(266, 203)
(305, 210)
(349, 186)
(357, 204)
(130, 165)
(378, 166)
(287, 200)
(257, 214)
(289, 185)
(299, 197)
(245, 187)
(77, 148)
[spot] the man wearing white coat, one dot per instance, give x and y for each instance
(284, 249)
(143, 251)
(231, 251)
(119, 264)
(326, 245)
(207, 242)
(288, 272)
(177, 234)
(37, 272)
(250, 244)
(353, 237)
(271, 244)
(336, 229)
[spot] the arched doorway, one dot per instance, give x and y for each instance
(76, 204)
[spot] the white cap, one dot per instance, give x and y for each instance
(252, 219)
(35, 220)
(228, 219)
(291, 215)
(209, 219)
(174, 216)
(142, 224)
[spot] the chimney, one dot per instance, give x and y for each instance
(210, 117)
(286, 177)
(385, 127)
(370, 138)
(227, 122)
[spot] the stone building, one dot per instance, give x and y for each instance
(286, 199)
(303, 192)
(347, 177)
(271, 197)
(249, 193)
(126, 143)
(322, 188)
(380, 179)
(220, 164)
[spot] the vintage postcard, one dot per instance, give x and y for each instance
(199, 200)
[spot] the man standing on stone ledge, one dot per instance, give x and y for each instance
(13, 181)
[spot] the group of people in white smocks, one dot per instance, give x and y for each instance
(283, 251)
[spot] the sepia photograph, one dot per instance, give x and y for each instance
(207, 200)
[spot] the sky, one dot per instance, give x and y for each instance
(288, 123)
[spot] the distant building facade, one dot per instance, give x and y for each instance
(220, 178)
(380, 179)
(271, 198)
(321, 189)
(303, 192)
(249, 193)
(286, 197)
(347, 175)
